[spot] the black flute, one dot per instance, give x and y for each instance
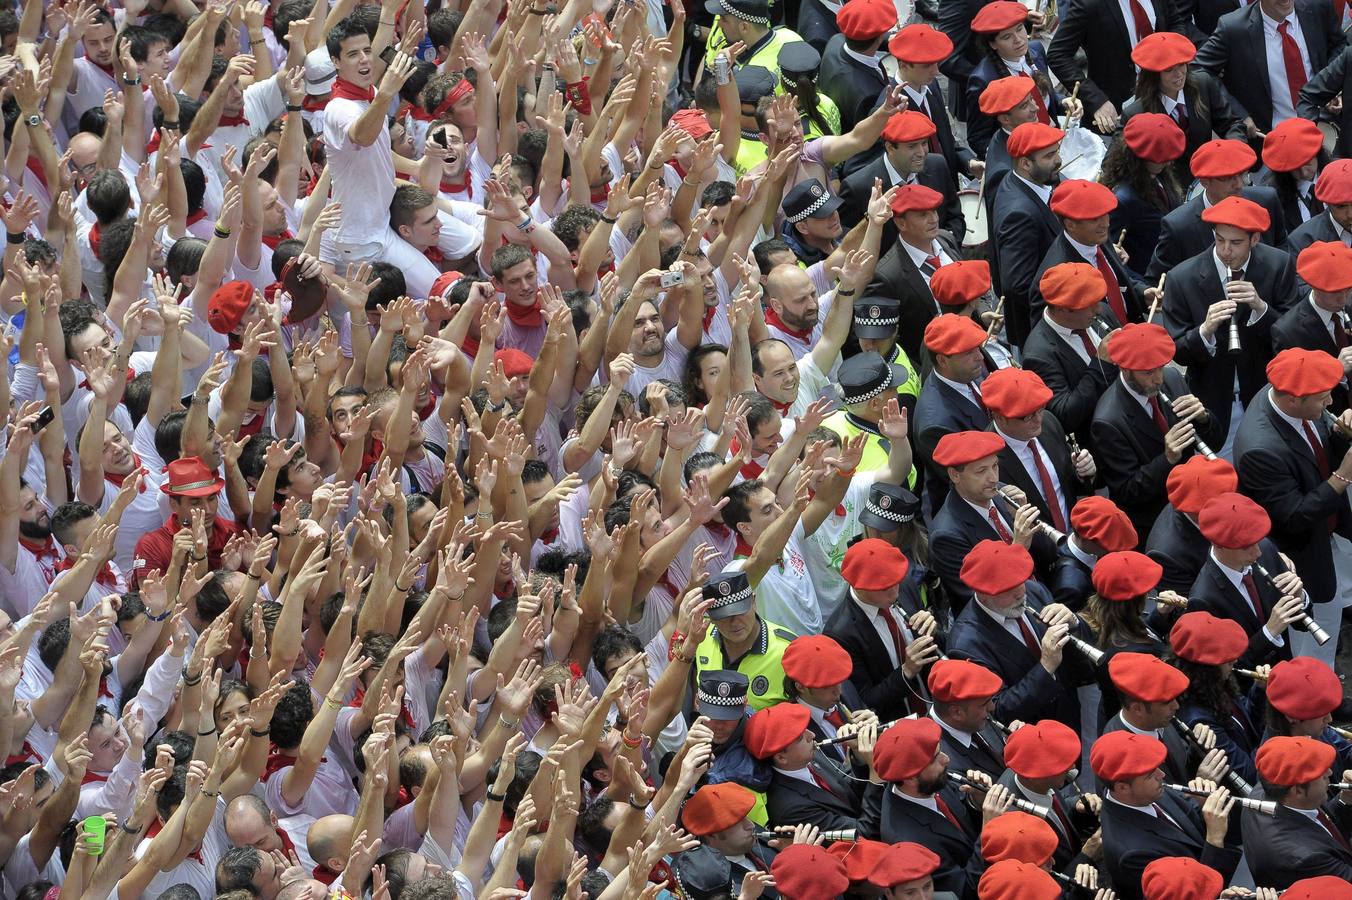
(1233, 780)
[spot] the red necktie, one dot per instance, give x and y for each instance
(933, 261)
(1320, 457)
(1181, 117)
(898, 640)
(1114, 287)
(934, 145)
(1042, 115)
(1048, 490)
(1062, 819)
(1029, 638)
(834, 717)
(999, 524)
(821, 782)
(1333, 831)
(1295, 67)
(1158, 415)
(948, 813)
(1143, 27)
(1252, 588)
(1083, 334)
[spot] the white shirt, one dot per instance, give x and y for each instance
(1236, 579)
(918, 256)
(1299, 426)
(1282, 107)
(1071, 338)
(1024, 452)
(825, 547)
(875, 60)
(1010, 625)
(1125, 7)
(1325, 316)
(1173, 103)
(363, 177)
(1043, 191)
(896, 177)
(875, 618)
(785, 594)
(966, 389)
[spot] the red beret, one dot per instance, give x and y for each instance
(228, 304)
(774, 728)
(1162, 50)
(1017, 835)
(1100, 520)
(1082, 200)
(1233, 521)
(904, 750)
(1321, 887)
(1239, 213)
(692, 121)
(1013, 880)
(1326, 266)
(1072, 285)
(959, 448)
(1044, 750)
(817, 661)
(907, 126)
(920, 44)
(807, 872)
(862, 857)
(1030, 137)
(1014, 393)
(915, 198)
(1124, 755)
(514, 362)
(957, 680)
(1302, 373)
(1145, 677)
(1334, 184)
(1154, 137)
(1003, 94)
(993, 567)
(961, 282)
(996, 17)
(1140, 347)
(1180, 878)
(1199, 479)
(903, 862)
(1292, 144)
(951, 334)
(864, 20)
(873, 565)
(1222, 159)
(1125, 575)
(1288, 761)
(1304, 688)
(1201, 638)
(716, 807)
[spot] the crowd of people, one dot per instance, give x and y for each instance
(626, 450)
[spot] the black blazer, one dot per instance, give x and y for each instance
(1209, 116)
(1129, 449)
(892, 819)
(816, 24)
(1024, 228)
(1061, 251)
(898, 277)
(1076, 385)
(989, 759)
(1301, 326)
(1030, 693)
(1183, 234)
(853, 85)
(1179, 548)
(957, 154)
(1141, 220)
(941, 410)
(1097, 27)
(1328, 82)
(1133, 839)
(1236, 733)
(1236, 54)
(881, 687)
(955, 20)
(956, 529)
(1176, 765)
(1070, 580)
(981, 127)
(1214, 593)
(1204, 13)
(789, 801)
(1289, 846)
(1318, 228)
(1194, 285)
(1053, 443)
(998, 165)
(857, 188)
(1068, 842)
(1277, 469)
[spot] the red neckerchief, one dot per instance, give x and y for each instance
(103, 689)
(772, 318)
(428, 408)
(46, 550)
(465, 186)
(435, 256)
(417, 112)
(368, 457)
(669, 585)
(752, 469)
(267, 23)
(524, 316)
(105, 577)
(94, 238)
(314, 103)
(507, 590)
(272, 240)
(277, 760)
(106, 70)
(232, 121)
(404, 714)
(322, 874)
(157, 826)
(24, 755)
(251, 428)
(743, 548)
(93, 777)
(600, 194)
(154, 143)
(34, 165)
(549, 535)
(709, 312)
(722, 529)
(346, 90)
(680, 169)
(117, 479)
(288, 845)
(405, 797)
(197, 217)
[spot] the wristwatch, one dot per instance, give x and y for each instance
(34, 120)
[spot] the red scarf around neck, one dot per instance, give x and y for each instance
(772, 318)
(524, 316)
(44, 550)
(232, 121)
(463, 186)
(346, 90)
(272, 240)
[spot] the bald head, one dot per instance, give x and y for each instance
(84, 150)
(329, 840)
(250, 823)
(787, 280)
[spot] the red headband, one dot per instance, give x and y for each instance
(461, 90)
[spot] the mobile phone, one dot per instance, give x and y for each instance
(672, 279)
(95, 827)
(440, 139)
(43, 420)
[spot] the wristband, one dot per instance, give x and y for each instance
(496, 798)
(15, 238)
(631, 744)
(840, 293)
(332, 703)
(507, 723)
(191, 680)
(294, 107)
(212, 794)
(403, 590)
(845, 473)
(526, 225)
(206, 733)
(160, 618)
(171, 126)
(608, 220)
(194, 559)
(221, 232)
(256, 733)
(131, 829)
(131, 82)
(1340, 478)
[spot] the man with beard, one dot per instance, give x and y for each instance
(28, 555)
(92, 75)
(638, 329)
(1023, 225)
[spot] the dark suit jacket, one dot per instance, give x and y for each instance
(1214, 593)
(1176, 765)
(883, 688)
(998, 165)
(1191, 288)
(955, 20)
(1289, 846)
(941, 410)
(1097, 27)
(1179, 548)
(1183, 234)
(1024, 228)
(1061, 251)
(957, 154)
(1235, 53)
(816, 24)
(1209, 115)
(989, 759)
(1076, 385)
(1236, 733)
(790, 801)
(1054, 445)
(898, 277)
(1030, 692)
(981, 127)
(1317, 228)
(1333, 79)
(892, 819)
(1129, 449)
(1301, 326)
(852, 84)
(857, 188)
(1277, 468)
(1067, 855)
(1133, 839)
(1070, 580)
(956, 529)
(1141, 220)
(1204, 13)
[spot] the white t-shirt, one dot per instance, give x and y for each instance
(785, 595)
(363, 177)
(825, 547)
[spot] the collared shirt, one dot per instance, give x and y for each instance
(927, 802)
(1143, 401)
(962, 737)
(1010, 625)
(1325, 316)
(800, 774)
(1172, 103)
(1304, 189)
(1343, 234)
(1073, 545)
(963, 389)
(1043, 191)
(1255, 315)
(818, 716)
(1088, 251)
(1071, 338)
(1278, 87)
(1236, 579)
(1024, 452)
(874, 61)
(1297, 425)
(1125, 7)
(1152, 732)
(1042, 800)
(918, 100)
(875, 619)
(896, 177)
(918, 256)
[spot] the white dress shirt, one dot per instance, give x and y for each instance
(1282, 108)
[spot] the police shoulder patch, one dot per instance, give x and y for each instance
(759, 685)
(785, 635)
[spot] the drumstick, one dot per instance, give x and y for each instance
(1158, 295)
(1073, 159)
(1074, 92)
(990, 329)
(980, 192)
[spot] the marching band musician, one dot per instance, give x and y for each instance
(1292, 153)
(1320, 322)
(1333, 188)
(1097, 528)
(1043, 760)
(1010, 101)
(1308, 835)
(964, 695)
(817, 676)
(718, 814)
(1302, 696)
(1115, 613)
(908, 266)
(1140, 170)
(806, 787)
(951, 398)
(1175, 542)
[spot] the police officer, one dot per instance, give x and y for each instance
(741, 640)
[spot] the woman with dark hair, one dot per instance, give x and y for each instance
(1000, 29)
(1294, 153)
(1192, 98)
(1139, 171)
(799, 64)
(1115, 613)
(1205, 648)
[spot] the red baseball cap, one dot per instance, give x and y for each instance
(993, 567)
(1125, 575)
(514, 362)
(228, 304)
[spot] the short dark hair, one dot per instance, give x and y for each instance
(612, 641)
(108, 196)
(739, 496)
(569, 225)
(348, 28)
(507, 256)
(237, 869)
(408, 199)
(67, 516)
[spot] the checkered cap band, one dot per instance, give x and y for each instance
(876, 320)
(737, 597)
(714, 700)
(848, 399)
(745, 17)
(887, 514)
(813, 207)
